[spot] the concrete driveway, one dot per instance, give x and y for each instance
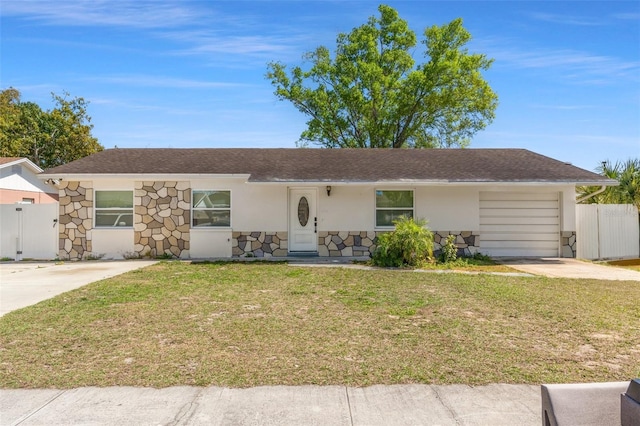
(27, 283)
(556, 267)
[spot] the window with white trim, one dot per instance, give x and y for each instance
(211, 208)
(113, 209)
(391, 205)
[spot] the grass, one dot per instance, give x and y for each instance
(250, 324)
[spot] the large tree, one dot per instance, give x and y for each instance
(627, 173)
(48, 138)
(371, 94)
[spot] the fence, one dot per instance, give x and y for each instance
(607, 231)
(28, 231)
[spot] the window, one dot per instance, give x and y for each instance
(114, 208)
(390, 205)
(28, 200)
(211, 208)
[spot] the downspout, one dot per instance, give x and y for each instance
(593, 194)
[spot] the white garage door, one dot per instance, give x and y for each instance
(519, 224)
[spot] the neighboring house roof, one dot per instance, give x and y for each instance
(337, 165)
(21, 174)
(12, 161)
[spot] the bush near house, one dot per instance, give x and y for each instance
(410, 244)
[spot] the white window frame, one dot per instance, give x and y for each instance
(193, 208)
(97, 209)
(376, 208)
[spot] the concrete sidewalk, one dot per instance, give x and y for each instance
(276, 405)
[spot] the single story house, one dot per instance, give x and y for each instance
(206, 203)
(19, 183)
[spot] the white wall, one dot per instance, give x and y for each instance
(113, 185)
(449, 208)
(352, 208)
(348, 208)
(33, 230)
(208, 243)
(112, 243)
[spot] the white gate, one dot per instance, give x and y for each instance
(607, 231)
(29, 231)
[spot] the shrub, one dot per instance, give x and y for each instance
(410, 244)
(449, 250)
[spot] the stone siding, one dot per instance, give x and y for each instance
(76, 219)
(259, 244)
(467, 242)
(346, 243)
(568, 245)
(162, 218)
(337, 243)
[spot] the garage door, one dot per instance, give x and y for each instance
(519, 224)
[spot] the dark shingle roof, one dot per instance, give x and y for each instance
(337, 165)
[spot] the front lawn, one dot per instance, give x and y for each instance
(244, 324)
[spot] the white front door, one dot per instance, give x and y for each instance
(303, 235)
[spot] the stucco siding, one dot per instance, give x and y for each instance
(348, 208)
(112, 243)
(448, 208)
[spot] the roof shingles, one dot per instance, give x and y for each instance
(336, 165)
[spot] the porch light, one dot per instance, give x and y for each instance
(328, 190)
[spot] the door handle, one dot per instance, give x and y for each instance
(315, 225)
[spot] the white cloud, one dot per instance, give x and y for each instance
(567, 19)
(569, 64)
(141, 80)
(138, 14)
(564, 107)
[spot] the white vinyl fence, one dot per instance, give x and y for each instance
(607, 231)
(29, 231)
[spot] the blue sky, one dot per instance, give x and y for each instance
(191, 73)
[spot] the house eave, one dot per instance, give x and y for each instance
(142, 176)
(433, 182)
(340, 182)
(26, 162)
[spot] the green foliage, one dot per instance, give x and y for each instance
(165, 256)
(449, 250)
(48, 138)
(373, 95)
(627, 192)
(410, 244)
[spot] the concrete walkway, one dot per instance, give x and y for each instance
(276, 405)
(569, 268)
(27, 283)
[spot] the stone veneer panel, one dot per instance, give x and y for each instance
(162, 218)
(259, 244)
(467, 242)
(568, 244)
(346, 243)
(76, 219)
(337, 243)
